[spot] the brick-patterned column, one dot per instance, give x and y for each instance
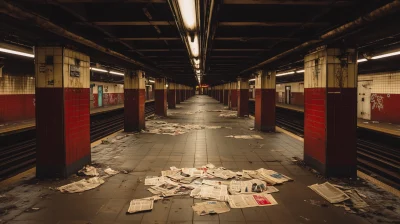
(134, 93)
(62, 111)
(178, 93)
(265, 101)
(160, 97)
(234, 96)
(330, 111)
(226, 93)
(243, 97)
(172, 95)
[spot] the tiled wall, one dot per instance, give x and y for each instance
(297, 90)
(17, 98)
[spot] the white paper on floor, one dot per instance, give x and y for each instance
(165, 128)
(111, 172)
(139, 205)
(210, 207)
(251, 200)
(245, 136)
(89, 171)
(329, 192)
(82, 185)
(228, 114)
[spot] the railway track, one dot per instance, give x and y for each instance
(18, 151)
(378, 154)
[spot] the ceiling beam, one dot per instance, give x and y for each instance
(158, 50)
(218, 56)
(131, 23)
(254, 38)
(97, 1)
(150, 38)
(271, 24)
(239, 49)
(288, 2)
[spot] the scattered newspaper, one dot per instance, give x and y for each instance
(251, 200)
(82, 185)
(154, 180)
(169, 172)
(273, 177)
(219, 193)
(224, 174)
(111, 172)
(187, 180)
(89, 171)
(250, 187)
(210, 207)
(355, 199)
(193, 172)
(245, 136)
(329, 192)
(139, 205)
(215, 182)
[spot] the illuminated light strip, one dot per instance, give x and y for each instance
(188, 13)
(286, 73)
(300, 71)
(250, 80)
(194, 46)
(152, 81)
(98, 69)
(386, 55)
(117, 73)
(16, 53)
(362, 60)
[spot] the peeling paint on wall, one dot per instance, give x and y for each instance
(377, 101)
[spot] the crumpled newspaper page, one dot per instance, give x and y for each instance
(251, 200)
(88, 171)
(210, 207)
(111, 172)
(329, 192)
(139, 205)
(245, 136)
(82, 185)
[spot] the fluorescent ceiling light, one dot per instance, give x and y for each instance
(194, 46)
(117, 73)
(286, 73)
(250, 80)
(152, 81)
(196, 61)
(98, 69)
(300, 71)
(386, 55)
(188, 13)
(16, 52)
(362, 60)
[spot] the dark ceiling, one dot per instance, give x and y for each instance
(243, 33)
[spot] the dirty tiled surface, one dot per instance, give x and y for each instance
(147, 154)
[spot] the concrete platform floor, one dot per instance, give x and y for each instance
(147, 154)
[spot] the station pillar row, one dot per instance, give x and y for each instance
(243, 97)
(62, 111)
(160, 97)
(221, 94)
(265, 101)
(172, 95)
(233, 102)
(178, 93)
(134, 94)
(330, 111)
(226, 93)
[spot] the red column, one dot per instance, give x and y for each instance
(243, 97)
(233, 97)
(134, 94)
(62, 111)
(330, 112)
(265, 101)
(178, 93)
(226, 93)
(221, 94)
(160, 97)
(172, 95)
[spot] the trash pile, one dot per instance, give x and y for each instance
(87, 184)
(348, 198)
(228, 114)
(165, 128)
(219, 186)
(245, 136)
(186, 112)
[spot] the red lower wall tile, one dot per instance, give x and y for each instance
(385, 107)
(134, 109)
(17, 107)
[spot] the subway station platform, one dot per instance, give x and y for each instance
(388, 128)
(145, 154)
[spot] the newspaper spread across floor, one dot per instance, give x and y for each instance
(221, 173)
(82, 185)
(219, 193)
(356, 200)
(251, 200)
(229, 114)
(89, 171)
(210, 207)
(329, 192)
(273, 177)
(245, 136)
(163, 127)
(215, 182)
(154, 180)
(250, 187)
(110, 171)
(139, 205)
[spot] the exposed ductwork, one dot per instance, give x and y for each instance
(361, 21)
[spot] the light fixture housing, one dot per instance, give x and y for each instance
(386, 55)
(362, 60)
(285, 73)
(8, 51)
(300, 71)
(152, 81)
(194, 46)
(117, 73)
(188, 13)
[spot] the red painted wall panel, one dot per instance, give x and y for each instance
(226, 97)
(297, 99)
(134, 109)
(243, 102)
(385, 108)
(314, 123)
(171, 99)
(234, 98)
(77, 123)
(17, 107)
(109, 99)
(161, 102)
(265, 109)
(178, 96)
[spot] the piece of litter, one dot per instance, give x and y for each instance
(329, 192)
(251, 200)
(82, 185)
(139, 205)
(88, 171)
(210, 207)
(245, 136)
(110, 171)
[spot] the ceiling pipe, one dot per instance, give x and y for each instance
(20, 14)
(361, 21)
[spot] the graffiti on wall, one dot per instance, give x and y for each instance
(377, 101)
